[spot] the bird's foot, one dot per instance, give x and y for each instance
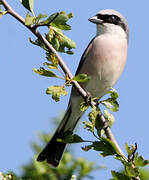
(88, 98)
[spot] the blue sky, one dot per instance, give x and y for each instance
(27, 110)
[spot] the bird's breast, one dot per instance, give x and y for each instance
(105, 62)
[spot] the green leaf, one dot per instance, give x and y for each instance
(59, 20)
(50, 66)
(109, 117)
(93, 115)
(39, 43)
(39, 17)
(62, 18)
(84, 106)
(44, 72)
(89, 126)
(139, 161)
(56, 92)
(106, 146)
(52, 57)
(81, 78)
(119, 176)
(28, 4)
(131, 171)
(129, 150)
(113, 93)
(50, 18)
(56, 44)
(55, 35)
(111, 104)
(69, 137)
(70, 15)
(64, 40)
(29, 20)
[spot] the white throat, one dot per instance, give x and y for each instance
(111, 29)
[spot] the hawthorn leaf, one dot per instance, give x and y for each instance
(56, 92)
(69, 137)
(131, 171)
(113, 93)
(106, 146)
(50, 66)
(84, 106)
(44, 72)
(119, 176)
(39, 43)
(109, 117)
(89, 126)
(139, 161)
(28, 4)
(64, 39)
(111, 104)
(29, 19)
(81, 78)
(39, 17)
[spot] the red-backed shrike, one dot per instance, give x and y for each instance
(104, 60)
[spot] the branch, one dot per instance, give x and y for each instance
(64, 67)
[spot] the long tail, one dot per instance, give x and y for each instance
(54, 150)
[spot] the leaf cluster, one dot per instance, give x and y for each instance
(111, 103)
(132, 167)
(132, 164)
(56, 23)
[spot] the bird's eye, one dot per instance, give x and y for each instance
(112, 18)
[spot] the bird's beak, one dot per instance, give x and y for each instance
(95, 20)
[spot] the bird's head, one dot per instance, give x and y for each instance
(110, 21)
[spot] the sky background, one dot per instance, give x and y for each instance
(25, 109)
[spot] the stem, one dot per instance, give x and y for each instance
(110, 136)
(61, 72)
(64, 67)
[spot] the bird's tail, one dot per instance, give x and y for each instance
(53, 151)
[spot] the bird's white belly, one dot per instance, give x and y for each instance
(98, 86)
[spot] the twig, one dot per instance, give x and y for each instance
(64, 67)
(43, 24)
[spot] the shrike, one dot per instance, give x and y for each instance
(104, 60)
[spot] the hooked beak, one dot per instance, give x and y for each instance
(95, 20)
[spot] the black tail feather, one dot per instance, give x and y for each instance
(53, 151)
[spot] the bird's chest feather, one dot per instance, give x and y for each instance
(105, 63)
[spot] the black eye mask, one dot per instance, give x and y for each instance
(112, 19)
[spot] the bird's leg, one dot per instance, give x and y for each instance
(88, 98)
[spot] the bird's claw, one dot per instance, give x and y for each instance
(88, 98)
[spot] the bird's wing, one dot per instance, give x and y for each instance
(87, 50)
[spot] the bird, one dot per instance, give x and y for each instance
(103, 60)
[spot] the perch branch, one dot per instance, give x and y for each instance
(64, 67)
